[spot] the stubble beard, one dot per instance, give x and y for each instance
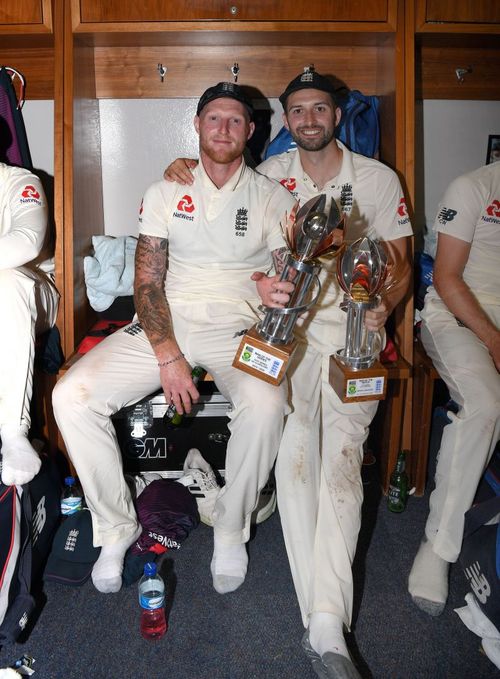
(221, 156)
(316, 144)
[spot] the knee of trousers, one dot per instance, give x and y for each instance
(66, 398)
(487, 410)
(15, 290)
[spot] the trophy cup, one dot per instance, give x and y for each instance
(310, 233)
(356, 374)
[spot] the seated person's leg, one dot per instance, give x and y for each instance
(27, 303)
(119, 371)
(256, 426)
(466, 447)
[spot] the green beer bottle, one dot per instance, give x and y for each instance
(398, 485)
(174, 418)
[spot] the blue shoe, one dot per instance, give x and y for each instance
(329, 665)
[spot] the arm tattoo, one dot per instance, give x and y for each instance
(279, 257)
(152, 308)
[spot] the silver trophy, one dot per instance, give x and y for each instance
(362, 273)
(310, 233)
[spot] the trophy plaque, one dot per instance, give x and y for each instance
(312, 232)
(356, 374)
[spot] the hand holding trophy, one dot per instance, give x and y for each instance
(311, 233)
(363, 272)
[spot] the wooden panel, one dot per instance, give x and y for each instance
(37, 67)
(21, 15)
(243, 10)
(132, 72)
(437, 79)
(462, 11)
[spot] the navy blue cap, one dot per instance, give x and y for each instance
(230, 90)
(73, 553)
(311, 80)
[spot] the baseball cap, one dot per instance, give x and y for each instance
(309, 79)
(73, 554)
(167, 513)
(230, 90)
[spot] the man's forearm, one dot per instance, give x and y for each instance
(149, 296)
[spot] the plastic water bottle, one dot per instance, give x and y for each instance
(152, 602)
(72, 497)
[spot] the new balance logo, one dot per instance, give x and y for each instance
(446, 215)
(39, 518)
(478, 582)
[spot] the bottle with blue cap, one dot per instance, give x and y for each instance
(152, 602)
(72, 497)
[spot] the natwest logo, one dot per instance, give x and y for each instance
(30, 192)
(402, 209)
(289, 183)
(493, 210)
(185, 204)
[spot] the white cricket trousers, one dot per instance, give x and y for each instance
(318, 475)
(123, 369)
(468, 442)
(28, 306)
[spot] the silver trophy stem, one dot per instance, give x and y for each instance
(277, 324)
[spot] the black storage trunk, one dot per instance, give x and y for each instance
(149, 443)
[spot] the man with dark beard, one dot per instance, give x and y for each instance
(194, 295)
(318, 469)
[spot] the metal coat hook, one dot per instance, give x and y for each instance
(462, 72)
(162, 70)
(235, 69)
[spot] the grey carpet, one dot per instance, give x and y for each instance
(255, 632)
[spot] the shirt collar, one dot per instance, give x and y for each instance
(346, 175)
(237, 178)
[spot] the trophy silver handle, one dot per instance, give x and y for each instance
(296, 309)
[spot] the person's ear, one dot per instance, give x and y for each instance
(196, 122)
(251, 129)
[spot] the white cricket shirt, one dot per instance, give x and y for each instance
(23, 220)
(216, 237)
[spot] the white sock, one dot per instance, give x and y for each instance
(326, 634)
(20, 461)
(229, 566)
(428, 580)
(107, 570)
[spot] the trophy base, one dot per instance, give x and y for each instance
(363, 384)
(261, 359)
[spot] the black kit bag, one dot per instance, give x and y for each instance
(480, 554)
(29, 516)
(14, 147)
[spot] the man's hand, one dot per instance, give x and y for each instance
(376, 318)
(273, 292)
(178, 386)
(180, 171)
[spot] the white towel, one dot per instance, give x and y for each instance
(474, 619)
(110, 272)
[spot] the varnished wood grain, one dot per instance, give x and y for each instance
(132, 72)
(240, 10)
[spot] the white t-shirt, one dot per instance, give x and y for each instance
(216, 237)
(470, 211)
(365, 189)
(23, 220)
